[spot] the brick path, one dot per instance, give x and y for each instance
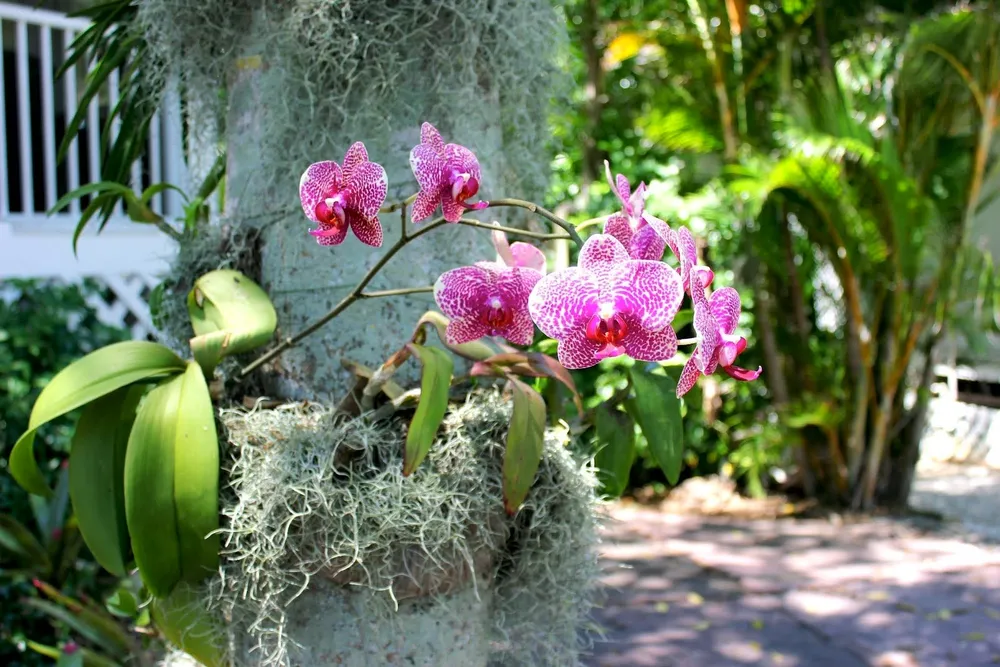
(690, 591)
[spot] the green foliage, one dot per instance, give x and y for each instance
(525, 440)
(435, 382)
(43, 327)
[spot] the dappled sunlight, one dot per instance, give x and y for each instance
(687, 590)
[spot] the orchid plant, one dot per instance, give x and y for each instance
(621, 298)
(144, 469)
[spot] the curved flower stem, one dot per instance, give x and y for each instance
(512, 230)
(545, 213)
(395, 206)
(352, 296)
(687, 341)
(396, 292)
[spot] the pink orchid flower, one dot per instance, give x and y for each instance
(518, 253)
(682, 245)
(337, 197)
(643, 235)
(448, 175)
(491, 298)
(715, 320)
(608, 305)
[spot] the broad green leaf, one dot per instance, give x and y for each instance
(475, 350)
(18, 540)
(196, 478)
(615, 432)
(171, 483)
(97, 476)
(525, 439)
(434, 385)
(184, 620)
(657, 410)
(83, 625)
(230, 314)
(97, 374)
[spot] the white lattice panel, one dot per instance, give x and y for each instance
(125, 305)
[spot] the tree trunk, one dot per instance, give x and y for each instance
(304, 280)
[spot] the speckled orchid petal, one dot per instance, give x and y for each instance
(600, 254)
(368, 230)
(319, 181)
(465, 329)
(429, 135)
(617, 225)
(490, 294)
(637, 201)
(575, 351)
(647, 244)
(646, 345)
(562, 302)
(618, 185)
(707, 329)
(687, 254)
(356, 154)
(649, 291)
(689, 376)
(452, 210)
(462, 160)
(366, 189)
(725, 306)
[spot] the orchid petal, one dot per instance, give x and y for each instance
(431, 137)
(728, 352)
(427, 168)
(465, 329)
(575, 351)
(623, 189)
(661, 228)
(503, 248)
(424, 205)
(725, 306)
(452, 209)
(368, 230)
(521, 331)
(460, 292)
(689, 376)
(528, 256)
(611, 181)
(356, 154)
(328, 235)
(647, 244)
(462, 160)
(366, 189)
(562, 302)
(637, 200)
(600, 255)
(618, 226)
(650, 291)
(527, 279)
(707, 329)
(646, 345)
(743, 374)
(318, 182)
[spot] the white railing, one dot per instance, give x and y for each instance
(37, 107)
(37, 110)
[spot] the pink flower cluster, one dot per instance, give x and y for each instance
(620, 298)
(349, 195)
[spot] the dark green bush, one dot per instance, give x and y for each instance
(44, 326)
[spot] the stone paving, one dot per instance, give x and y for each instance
(694, 591)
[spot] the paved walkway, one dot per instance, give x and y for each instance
(690, 591)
